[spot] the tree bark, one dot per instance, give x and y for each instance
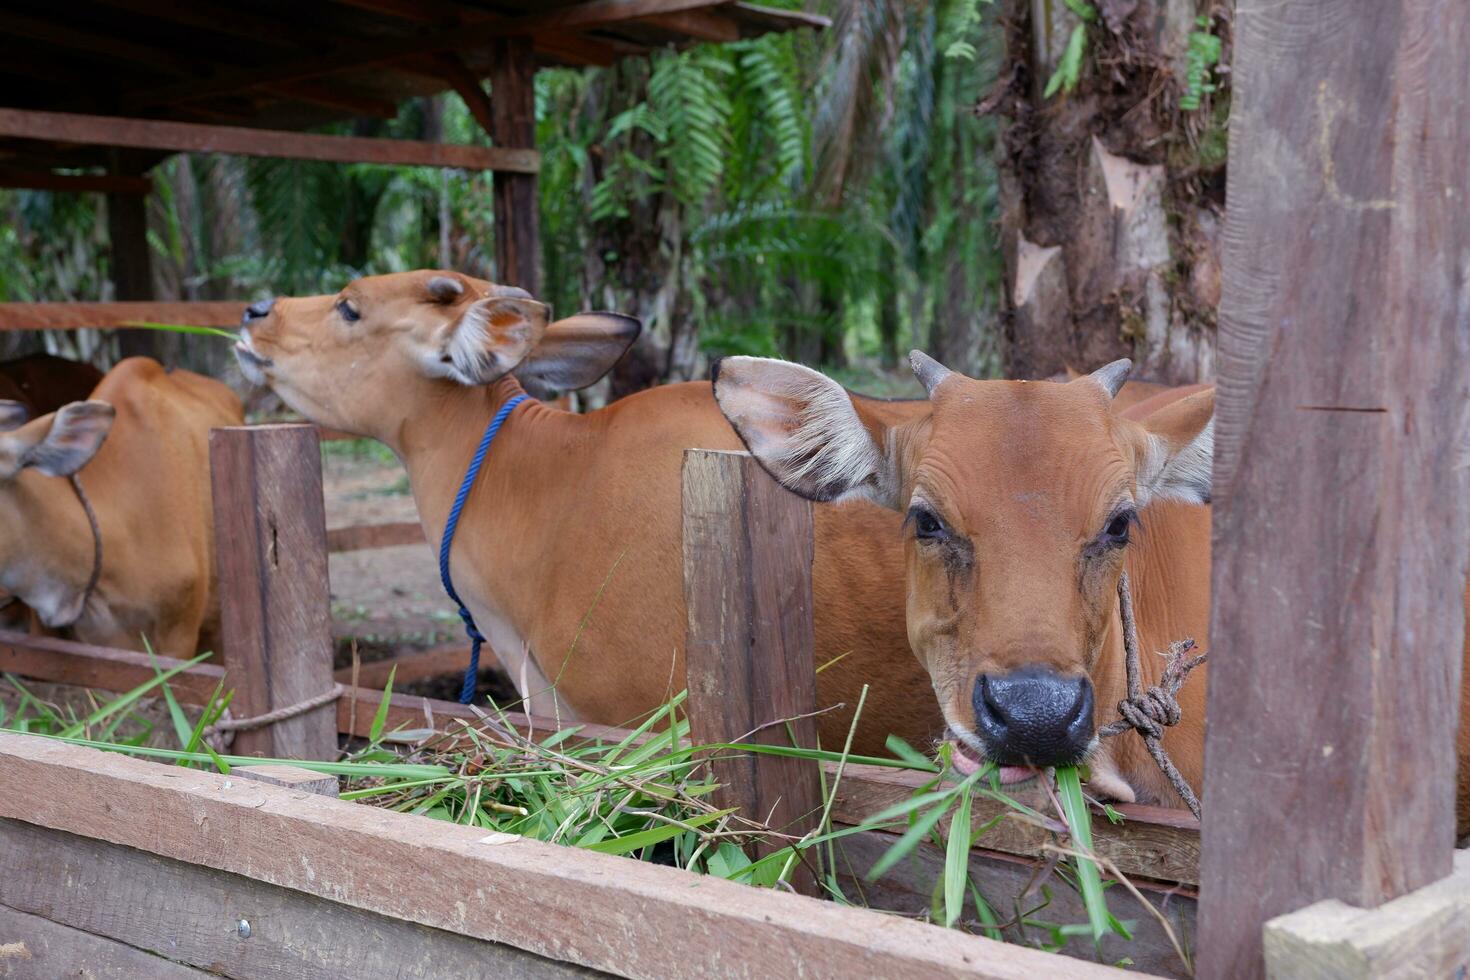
(1111, 194)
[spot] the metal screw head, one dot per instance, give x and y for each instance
(242, 928)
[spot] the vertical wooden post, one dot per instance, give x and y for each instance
(748, 652)
(1341, 482)
(130, 265)
(513, 119)
(271, 539)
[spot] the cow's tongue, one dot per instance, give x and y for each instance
(966, 762)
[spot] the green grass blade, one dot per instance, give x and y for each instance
(127, 700)
(375, 733)
(654, 835)
(1089, 879)
(182, 328)
(957, 860)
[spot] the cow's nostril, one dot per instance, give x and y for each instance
(1033, 716)
(258, 310)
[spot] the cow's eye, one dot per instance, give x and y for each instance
(1116, 533)
(348, 311)
(927, 525)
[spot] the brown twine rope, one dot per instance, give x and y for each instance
(1150, 711)
(96, 575)
(222, 733)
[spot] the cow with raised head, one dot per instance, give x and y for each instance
(138, 449)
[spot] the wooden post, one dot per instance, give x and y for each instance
(271, 538)
(517, 208)
(748, 652)
(131, 268)
(1341, 486)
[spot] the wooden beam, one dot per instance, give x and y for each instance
(335, 97)
(559, 902)
(292, 777)
(63, 127)
(464, 82)
(418, 665)
(103, 316)
(702, 25)
(749, 667)
(363, 537)
(1341, 514)
(513, 124)
(36, 946)
(67, 662)
(108, 893)
(130, 256)
(367, 54)
(41, 180)
(1425, 933)
(275, 616)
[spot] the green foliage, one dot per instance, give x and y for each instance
(1069, 68)
(1200, 59)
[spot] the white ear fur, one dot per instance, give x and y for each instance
(489, 339)
(804, 430)
(1177, 465)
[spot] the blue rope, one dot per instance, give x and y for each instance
(467, 693)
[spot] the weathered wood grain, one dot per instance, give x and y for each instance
(291, 777)
(158, 134)
(1425, 933)
(362, 537)
(106, 668)
(517, 208)
(1342, 499)
(748, 652)
(275, 615)
(604, 912)
(438, 661)
(192, 914)
(45, 180)
(35, 948)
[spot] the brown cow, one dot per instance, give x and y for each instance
(1024, 504)
(44, 382)
(139, 447)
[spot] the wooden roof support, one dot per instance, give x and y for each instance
(462, 37)
(706, 25)
(1342, 498)
(43, 180)
(513, 123)
(61, 127)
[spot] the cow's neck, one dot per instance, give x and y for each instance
(52, 580)
(495, 558)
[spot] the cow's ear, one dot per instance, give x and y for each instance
(1176, 451)
(58, 444)
(576, 352)
(806, 430)
(490, 337)
(13, 415)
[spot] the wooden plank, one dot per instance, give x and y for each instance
(275, 615)
(1340, 525)
(106, 316)
(418, 665)
(229, 924)
(291, 777)
(748, 658)
(361, 537)
(35, 948)
(1425, 933)
(131, 265)
(1150, 842)
(513, 123)
(44, 180)
(702, 25)
(157, 134)
(67, 662)
(629, 917)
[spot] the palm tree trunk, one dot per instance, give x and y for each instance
(1111, 193)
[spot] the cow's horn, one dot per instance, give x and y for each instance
(1111, 376)
(929, 371)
